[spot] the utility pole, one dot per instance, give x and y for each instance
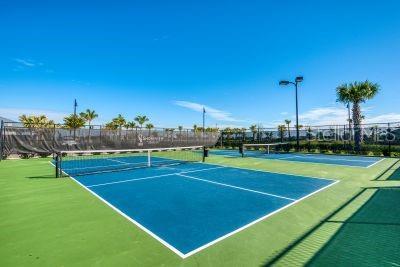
(75, 105)
(298, 80)
(204, 123)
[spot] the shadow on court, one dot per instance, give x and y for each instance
(391, 173)
(395, 176)
(368, 237)
(371, 237)
(48, 176)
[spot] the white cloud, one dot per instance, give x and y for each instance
(27, 63)
(339, 115)
(284, 113)
(324, 116)
(216, 114)
(14, 113)
(223, 126)
(389, 117)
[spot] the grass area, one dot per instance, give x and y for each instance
(369, 237)
(53, 222)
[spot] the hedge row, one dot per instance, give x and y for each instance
(334, 148)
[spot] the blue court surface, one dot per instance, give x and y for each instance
(191, 206)
(348, 161)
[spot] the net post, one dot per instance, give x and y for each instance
(222, 138)
(389, 141)
(54, 136)
(241, 150)
(58, 164)
(204, 154)
(148, 158)
(2, 138)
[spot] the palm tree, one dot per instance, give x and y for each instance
(309, 133)
(269, 135)
(120, 121)
(141, 120)
(39, 121)
(288, 126)
(130, 125)
(111, 126)
(253, 129)
(228, 132)
(356, 93)
(26, 121)
(89, 116)
(149, 126)
(281, 130)
(169, 131)
(32, 121)
(236, 132)
(74, 122)
(180, 128)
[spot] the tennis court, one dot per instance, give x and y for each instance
(188, 207)
(345, 160)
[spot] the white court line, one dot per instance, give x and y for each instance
(254, 222)
(236, 187)
(152, 177)
(122, 163)
(91, 167)
(175, 250)
(131, 180)
(327, 158)
(265, 171)
(159, 239)
(376, 163)
(310, 162)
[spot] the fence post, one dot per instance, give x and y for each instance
(54, 137)
(343, 136)
(2, 138)
(222, 139)
(388, 139)
(100, 137)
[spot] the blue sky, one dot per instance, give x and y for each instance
(167, 59)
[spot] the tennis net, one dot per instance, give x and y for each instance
(260, 149)
(75, 163)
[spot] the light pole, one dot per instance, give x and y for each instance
(298, 80)
(75, 105)
(204, 125)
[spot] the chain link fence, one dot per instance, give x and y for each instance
(43, 141)
(379, 139)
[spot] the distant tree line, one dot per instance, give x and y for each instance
(76, 121)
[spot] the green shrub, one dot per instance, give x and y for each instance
(44, 155)
(26, 155)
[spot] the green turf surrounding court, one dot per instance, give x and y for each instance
(53, 222)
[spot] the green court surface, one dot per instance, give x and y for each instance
(55, 222)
